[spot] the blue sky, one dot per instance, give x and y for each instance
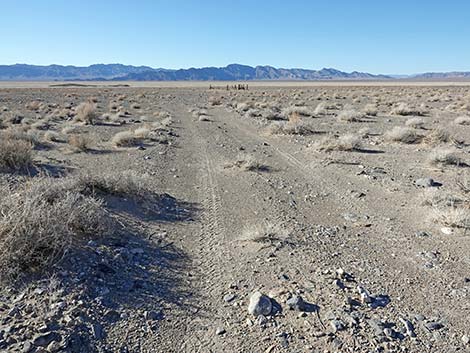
(376, 36)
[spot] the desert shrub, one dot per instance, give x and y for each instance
(36, 230)
(415, 123)
(244, 106)
(203, 118)
(294, 126)
(265, 233)
(15, 154)
(21, 135)
(142, 133)
(79, 143)
(403, 135)
(444, 156)
(52, 136)
(348, 142)
(350, 115)
(404, 110)
(320, 109)
(299, 111)
(124, 139)
(370, 109)
(439, 198)
(453, 217)
(462, 120)
(248, 163)
(85, 112)
(34, 105)
(437, 136)
(215, 101)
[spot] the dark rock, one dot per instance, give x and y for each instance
(44, 340)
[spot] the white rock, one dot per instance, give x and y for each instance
(260, 304)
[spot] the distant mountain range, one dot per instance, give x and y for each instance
(233, 72)
(118, 72)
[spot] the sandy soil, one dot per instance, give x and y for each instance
(302, 222)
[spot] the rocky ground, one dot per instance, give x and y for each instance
(267, 235)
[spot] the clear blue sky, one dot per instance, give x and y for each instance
(381, 36)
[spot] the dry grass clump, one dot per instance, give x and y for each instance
(444, 156)
(440, 198)
(34, 105)
(462, 120)
(295, 110)
(244, 106)
(371, 109)
(37, 226)
(265, 233)
(79, 142)
(350, 115)
(449, 209)
(320, 109)
(404, 109)
(438, 136)
(52, 136)
(203, 118)
(215, 101)
(85, 113)
(15, 154)
(453, 217)
(125, 184)
(415, 123)
(348, 142)
(247, 163)
(21, 135)
(124, 139)
(142, 133)
(294, 126)
(403, 135)
(47, 216)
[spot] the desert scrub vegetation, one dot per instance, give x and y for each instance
(37, 228)
(15, 154)
(404, 109)
(85, 113)
(124, 139)
(444, 156)
(294, 126)
(320, 109)
(437, 136)
(44, 217)
(348, 142)
(79, 142)
(247, 163)
(350, 115)
(403, 135)
(449, 209)
(22, 134)
(53, 136)
(462, 120)
(415, 123)
(371, 109)
(297, 110)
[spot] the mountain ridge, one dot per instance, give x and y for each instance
(120, 72)
(231, 72)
